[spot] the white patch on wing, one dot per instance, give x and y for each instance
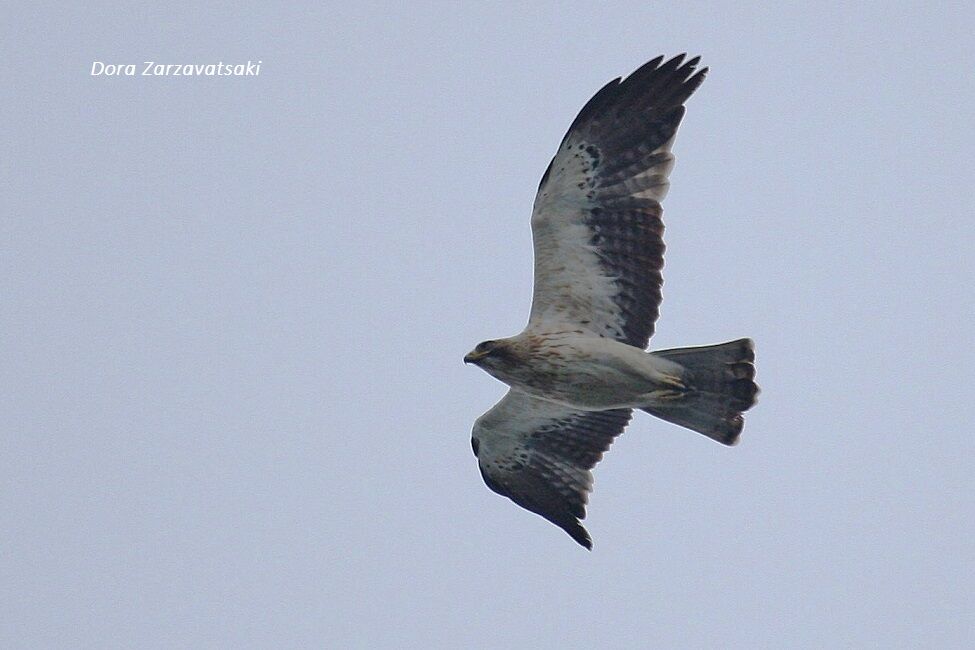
(503, 433)
(570, 284)
(506, 426)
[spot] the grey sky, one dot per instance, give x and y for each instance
(233, 407)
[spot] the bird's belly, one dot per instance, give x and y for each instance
(587, 387)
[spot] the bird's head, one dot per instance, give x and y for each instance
(488, 354)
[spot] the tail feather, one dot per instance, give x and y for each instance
(720, 386)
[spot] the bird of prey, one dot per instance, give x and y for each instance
(580, 366)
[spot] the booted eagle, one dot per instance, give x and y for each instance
(580, 367)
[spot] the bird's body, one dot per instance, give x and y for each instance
(580, 370)
(580, 367)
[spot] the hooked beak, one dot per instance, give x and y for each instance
(474, 356)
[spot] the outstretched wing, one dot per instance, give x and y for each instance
(597, 223)
(539, 454)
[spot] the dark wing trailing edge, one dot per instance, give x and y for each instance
(597, 218)
(539, 454)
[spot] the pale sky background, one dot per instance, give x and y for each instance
(233, 314)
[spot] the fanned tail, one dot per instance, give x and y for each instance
(720, 381)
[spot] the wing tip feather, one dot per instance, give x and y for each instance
(578, 533)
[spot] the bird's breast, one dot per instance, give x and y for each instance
(580, 371)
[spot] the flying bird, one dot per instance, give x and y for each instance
(580, 366)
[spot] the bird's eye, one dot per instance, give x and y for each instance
(483, 347)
